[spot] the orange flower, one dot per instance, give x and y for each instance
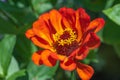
(65, 35)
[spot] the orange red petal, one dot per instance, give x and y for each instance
(82, 53)
(46, 18)
(84, 71)
(78, 28)
(93, 41)
(84, 18)
(29, 33)
(68, 64)
(55, 19)
(96, 24)
(61, 57)
(45, 57)
(36, 58)
(69, 15)
(37, 40)
(41, 30)
(82, 22)
(65, 23)
(49, 58)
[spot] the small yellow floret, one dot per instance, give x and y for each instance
(68, 41)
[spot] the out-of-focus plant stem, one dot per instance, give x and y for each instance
(73, 76)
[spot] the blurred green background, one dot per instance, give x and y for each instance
(16, 16)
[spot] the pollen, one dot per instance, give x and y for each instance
(65, 37)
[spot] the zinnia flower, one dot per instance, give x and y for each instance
(65, 35)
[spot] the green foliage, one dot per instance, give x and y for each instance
(24, 50)
(41, 72)
(41, 6)
(17, 74)
(6, 25)
(111, 33)
(6, 49)
(14, 71)
(16, 16)
(113, 13)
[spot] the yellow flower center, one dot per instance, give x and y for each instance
(65, 42)
(65, 37)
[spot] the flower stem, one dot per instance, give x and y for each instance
(73, 77)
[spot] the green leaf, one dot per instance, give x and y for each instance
(10, 12)
(23, 50)
(7, 27)
(6, 49)
(111, 33)
(14, 71)
(1, 71)
(41, 72)
(13, 67)
(113, 13)
(18, 17)
(41, 6)
(17, 74)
